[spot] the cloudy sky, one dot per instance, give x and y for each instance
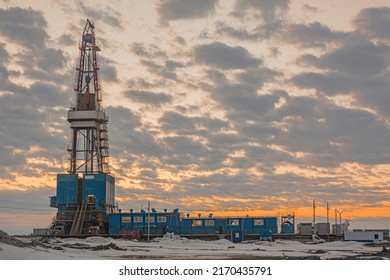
(227, 107)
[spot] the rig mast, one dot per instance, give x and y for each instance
(86, 195)
(89, 145)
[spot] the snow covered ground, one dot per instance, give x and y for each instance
(175, 247)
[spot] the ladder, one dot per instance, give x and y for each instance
(79, 217)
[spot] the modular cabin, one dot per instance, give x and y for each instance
(363, 236)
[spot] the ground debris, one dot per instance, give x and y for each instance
(58, 248)
(6, 239)
(93, 248)
(319, 251)
(107, 247)
(384, 253)
(258, 249)
(380, 244)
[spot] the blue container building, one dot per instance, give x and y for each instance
(225, 225)
(83, 203)
(288, 225)
(158, 223)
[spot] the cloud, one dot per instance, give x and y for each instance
(352, 129)
(310, 9)
(357, 67)
(362, 59)
(67, 40)
(148, 51)
(185, 9)
(25, 27)
(223, 56)
(108, 69)
(156, 61)
(240, 96)
(270, 17)
(148, 97)
(237, 33)
(161, 70)
(106, 15)
(268, 9)
(33, 57)
(4, 56)
(331, 134)
(313, 35)
(130, 137)
(51, 59)
(32, 99)
(33, 121)
(271, 12)
(374, 22)
(329, 83)
(183, 150)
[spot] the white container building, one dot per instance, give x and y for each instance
(363, 236)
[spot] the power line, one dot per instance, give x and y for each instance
(14, 201)
(22, 208)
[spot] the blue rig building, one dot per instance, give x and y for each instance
(85, 196)
(84, 203)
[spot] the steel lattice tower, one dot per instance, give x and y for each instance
(89, 142)
(85, 196)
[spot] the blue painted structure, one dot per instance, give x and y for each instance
(224, 225)
(95, 193)
(101, 187)
(72, 190)
(288, 224)
(66, 189)
(237, 236)
(159, 222)
(288, 228)
(162, 222)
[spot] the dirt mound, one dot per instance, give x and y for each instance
(93, 248)
(6, 239)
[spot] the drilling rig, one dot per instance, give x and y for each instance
(85, 196)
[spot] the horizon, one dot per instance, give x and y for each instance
(378, 223)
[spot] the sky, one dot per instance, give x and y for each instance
(234, 107)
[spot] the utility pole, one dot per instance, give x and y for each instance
(335, 221)
(340, 211)
(327, 212)
(327, 220)
(148, 221)
(314, 216)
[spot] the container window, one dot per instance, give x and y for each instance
(258, 222)
(197, 223)
(209, 223)
(126, 220)
(234, 222)
(162, 219)
(137, 219)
